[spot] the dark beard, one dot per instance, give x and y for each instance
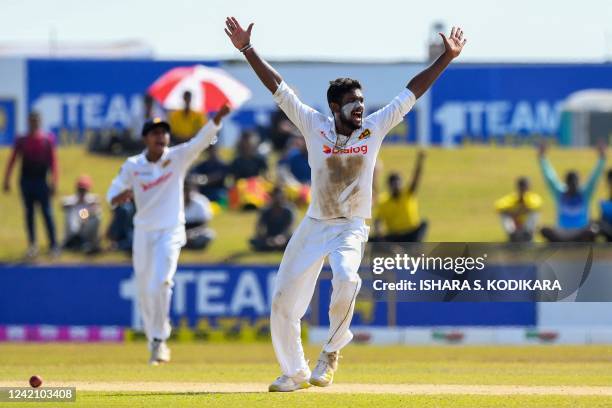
(348, 123)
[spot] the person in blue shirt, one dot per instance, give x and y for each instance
(295, 162)
(605, 223)
(572, 200)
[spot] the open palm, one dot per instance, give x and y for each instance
(455, 42)
(239, 36)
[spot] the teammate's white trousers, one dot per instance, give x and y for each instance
(155, 256)
(342, 240)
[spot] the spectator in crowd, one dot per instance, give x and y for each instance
(185, 123)
(249, 169)
(120, 232)
(82, 218)
(211, 175)
(197, 215)
(519, 212)
(149, 111)
(398, 210)
(281, 131)
(38, 159)
(572, 201)
(293, 172)
(273, 228)
(248, 162)
(294, 165)
(605, 223)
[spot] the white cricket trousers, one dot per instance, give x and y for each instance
(155, 256)
(340, 239)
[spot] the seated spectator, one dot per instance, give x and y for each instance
(281, 131)
(398, 210)
(197, 215)
(294, 172)
(249, 168)
(121, 230)
(211, 175)
(185, 123)
(248, 162)
(519, 212)
(572, 201)
(82, 218)
(274, 225)
(294, 165)
(605, 223)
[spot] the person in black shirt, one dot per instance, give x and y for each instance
(120, 232)
(281, 131)
(211, 174)
(248, 162)
(274, 226)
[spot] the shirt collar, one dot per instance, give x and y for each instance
(332, 132)
(143, 157)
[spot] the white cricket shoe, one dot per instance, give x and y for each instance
(160, 352)
(323, 374)
(31, 253)
(284, 383)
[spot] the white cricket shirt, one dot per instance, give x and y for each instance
(158, 187)
(341, 182)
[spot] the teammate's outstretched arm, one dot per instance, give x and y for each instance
(188, 152)
(241, 39)
(452, 48)
(417, 173)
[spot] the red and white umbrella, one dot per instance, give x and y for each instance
(210, 88)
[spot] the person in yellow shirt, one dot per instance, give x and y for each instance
(185, 123)
(398, 211)
(519, 212)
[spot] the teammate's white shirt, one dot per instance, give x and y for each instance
(341, 182)
(158, 187)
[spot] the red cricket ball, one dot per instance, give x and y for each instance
(35, 381)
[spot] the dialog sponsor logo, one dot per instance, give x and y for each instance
(345, 150)
(156, 182)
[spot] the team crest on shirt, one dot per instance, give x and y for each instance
(166, 163)
(365, 134)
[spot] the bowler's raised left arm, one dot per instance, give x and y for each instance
(452, 48)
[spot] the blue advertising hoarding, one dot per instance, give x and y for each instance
(79, 95)
(479, 103)
(105, 296)
(373, 311)
(7, 121)
(485, 103)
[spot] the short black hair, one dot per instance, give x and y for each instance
(339, 86)
(572, 174)
(609, 175)
(394, 176)
(522, 182)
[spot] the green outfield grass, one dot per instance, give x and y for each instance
(163, 400)
(456, 196)
(544, 366)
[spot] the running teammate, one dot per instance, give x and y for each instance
(154, 180)
(342, 152)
